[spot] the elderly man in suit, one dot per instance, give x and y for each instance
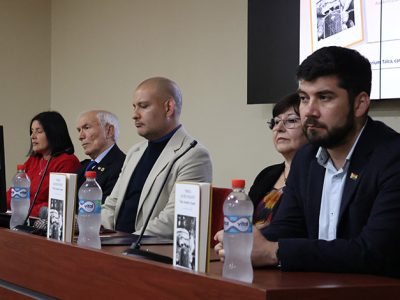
(98, 133)
(340, 210)
(157, 107)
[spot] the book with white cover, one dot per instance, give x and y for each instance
(61, 206)
(192, 225)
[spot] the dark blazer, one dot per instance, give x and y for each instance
(107, 170)
(368, 230)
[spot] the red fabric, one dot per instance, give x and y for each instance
(217, 214)
(64, 163)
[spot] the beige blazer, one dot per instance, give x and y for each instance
(195, 165)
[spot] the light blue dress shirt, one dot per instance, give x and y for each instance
(332, 192)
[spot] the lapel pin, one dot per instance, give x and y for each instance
(353, 176)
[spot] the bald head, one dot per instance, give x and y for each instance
(156, 105)
(164, 88)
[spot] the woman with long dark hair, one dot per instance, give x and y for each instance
(51, 150)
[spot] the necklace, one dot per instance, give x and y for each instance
(42, 165)
(287, 167)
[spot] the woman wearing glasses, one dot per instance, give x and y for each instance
(288, 137)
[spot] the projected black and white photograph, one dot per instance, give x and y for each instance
(368, 26)
(336, 20)
(334, 17)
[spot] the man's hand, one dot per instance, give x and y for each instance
(264, 251)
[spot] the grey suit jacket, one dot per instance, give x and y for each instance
(195, 165)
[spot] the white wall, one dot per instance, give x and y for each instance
(101, 49)
(24, 72)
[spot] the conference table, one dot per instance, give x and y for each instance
(33, 267)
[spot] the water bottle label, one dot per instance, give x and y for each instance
(20, 193)
(238, 224)
(87, 207)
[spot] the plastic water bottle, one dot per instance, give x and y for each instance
(20, 197)
(89, 212)
(238, 234)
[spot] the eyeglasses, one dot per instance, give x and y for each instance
(289, 123)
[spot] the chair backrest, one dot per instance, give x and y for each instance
(217, 214)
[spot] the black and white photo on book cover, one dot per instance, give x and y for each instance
(57, 206)
(186, 242)
(56, 211)
(61, 206)
(192, 225)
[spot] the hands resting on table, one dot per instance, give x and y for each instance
(263, 253)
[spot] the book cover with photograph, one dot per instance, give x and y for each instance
(192, 225)
(61, 206)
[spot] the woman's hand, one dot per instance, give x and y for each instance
(219, 248)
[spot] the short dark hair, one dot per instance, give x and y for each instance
(56, 131)
(351, 68)
(286, 103)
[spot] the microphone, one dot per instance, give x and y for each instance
(41, 224)
(23, 227)
(134, 249)
(43, 212)
(38, 189)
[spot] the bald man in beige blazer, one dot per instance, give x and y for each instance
(157, 105)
